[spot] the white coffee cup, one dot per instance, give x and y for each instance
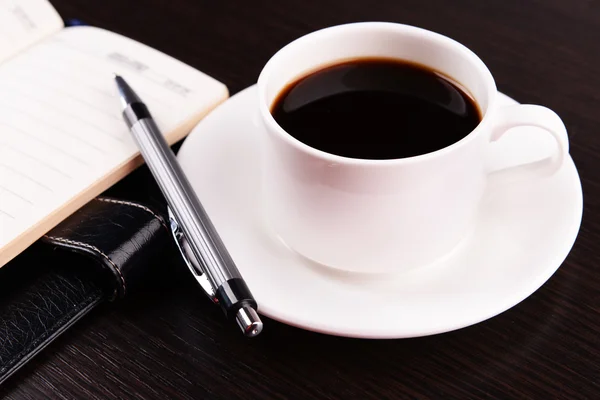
(387, 215)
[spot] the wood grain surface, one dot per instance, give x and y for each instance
(167, 341)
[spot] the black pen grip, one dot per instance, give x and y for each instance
(233, 294)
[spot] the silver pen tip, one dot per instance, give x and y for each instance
(249, 321)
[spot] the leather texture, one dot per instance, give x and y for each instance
(96, 254)
(38, 303)
(119, 235)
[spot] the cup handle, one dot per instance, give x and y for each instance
(536, 116)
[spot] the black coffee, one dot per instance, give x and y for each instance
(376, 109)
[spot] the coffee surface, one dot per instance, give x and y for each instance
(376, 109)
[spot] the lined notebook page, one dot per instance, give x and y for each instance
(62, 137)
(25, 22)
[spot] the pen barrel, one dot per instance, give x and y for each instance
(203, 239)
(190, 224)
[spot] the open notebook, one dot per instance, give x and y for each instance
(62, 138)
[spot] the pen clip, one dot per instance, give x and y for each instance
(190, 260)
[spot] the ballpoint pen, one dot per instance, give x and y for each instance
(199, 243)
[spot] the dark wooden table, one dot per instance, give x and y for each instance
(167, 341)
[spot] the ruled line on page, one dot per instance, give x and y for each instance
(73, 78)
(39, 161)
(93, 74)
(25, 176)
(56, 148)
(20, 196)
(44, 84)
(7, 214)
(90, 61)
(152, 76)
(68, 114)
(44, 123)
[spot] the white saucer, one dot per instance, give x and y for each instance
(524, 233)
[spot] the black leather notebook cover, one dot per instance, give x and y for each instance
(97, 254)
